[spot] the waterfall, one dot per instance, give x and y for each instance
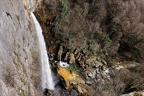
(46, 75)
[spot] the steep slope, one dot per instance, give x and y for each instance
(19, 69)
(101, 40)
(96, 35)
(112, 27)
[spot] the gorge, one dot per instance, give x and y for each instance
(71, 48)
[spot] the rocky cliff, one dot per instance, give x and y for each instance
(100, 41)
(19, 69)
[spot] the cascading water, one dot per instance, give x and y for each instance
(46, 76)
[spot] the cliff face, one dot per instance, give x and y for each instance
(19, 69)
(94, 36)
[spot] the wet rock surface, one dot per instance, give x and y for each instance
(69, 76)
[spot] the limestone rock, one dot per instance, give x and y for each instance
(18, 42)
(67, 56)
(91, 59)
(72, 58)
(134, 94)
(126, 64)
(89, 82)
(76, 51)
(74, 93)
(90, 74)
(82, 90)
(60, 53)
(78, 57)
(97, 64)
(82, 63)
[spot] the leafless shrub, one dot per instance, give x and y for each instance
(125, 81)
(120, 82)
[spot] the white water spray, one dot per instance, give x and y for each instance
(46, 78)
(63, 64)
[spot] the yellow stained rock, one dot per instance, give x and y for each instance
(69, 76)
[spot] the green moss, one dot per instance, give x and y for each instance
(27, 10)
(22, 80)
(19, 46)
(75, 67)
(18, 59)
(14, 58)
(20, 91)
(72, 67)
(24, 70)
(17, 66)
(29, 89)
(32, 77)
(25, 7)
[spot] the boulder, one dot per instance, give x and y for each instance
(74, 93)
(76, 51)
(78, 56)
(90, 60)
(67, 56)
(82, 63)
(89, 82)
(134, 94)
(81, 89)
(70, 77)
(59, 55)
(72, 59)
(125, 64)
